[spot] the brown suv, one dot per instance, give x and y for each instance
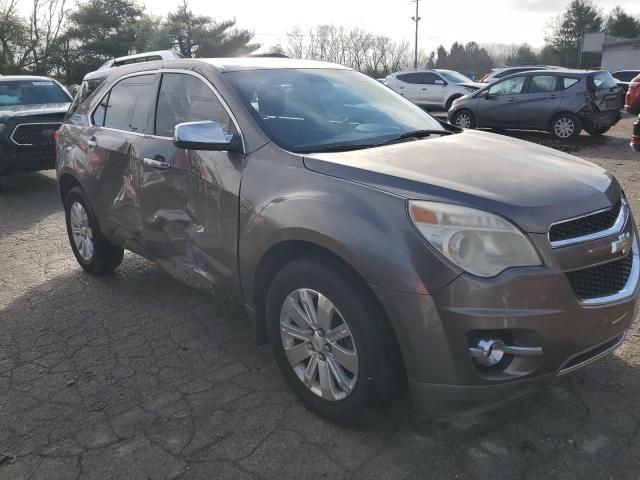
(371, 244)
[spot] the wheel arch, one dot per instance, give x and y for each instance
(65, 183)
(287, 251)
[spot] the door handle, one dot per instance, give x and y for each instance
(553, 97)
(159, 164)
(400, 88)
(424, 89)
(511, 100)
(92, 142)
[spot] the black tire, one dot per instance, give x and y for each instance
(380, 371)
(458, 118)
(447, 105)
(105, 256)
(597, 131)
(567, 118)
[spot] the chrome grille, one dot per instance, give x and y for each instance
(34, 134)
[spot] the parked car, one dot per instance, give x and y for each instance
(624, 77)
(632, 99)
(502, 72)
(370, 243)
(141, 57)
(635, 137)
(562, 102)
(431, 88)
(31, 110)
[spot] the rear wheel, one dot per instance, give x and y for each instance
(333, 346)
(565, 126)
(92, 250)
(464, 119)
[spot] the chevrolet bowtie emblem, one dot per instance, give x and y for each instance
(622, 244)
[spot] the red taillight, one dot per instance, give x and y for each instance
(634, 85)
(56, 136)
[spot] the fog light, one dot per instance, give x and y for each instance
(490, 352)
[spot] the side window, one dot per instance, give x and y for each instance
(510, 86)
(430, 78)
(99, 112)
(569, 82)
(411, 78)
(185, 98)
(130, 101)
(543, 83)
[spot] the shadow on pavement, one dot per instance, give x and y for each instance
(138, 376)
(26, 199)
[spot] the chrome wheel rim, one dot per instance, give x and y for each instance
(564, 127)
(81, 231)
(319, 344)
(463, 120)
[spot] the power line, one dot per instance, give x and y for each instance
(416, 19)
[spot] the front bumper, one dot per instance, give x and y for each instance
(26, 159)
(533, 306)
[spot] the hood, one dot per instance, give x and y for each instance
(10, 111)
(531, 185)
(475, 85)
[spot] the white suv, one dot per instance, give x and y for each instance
(435, 88)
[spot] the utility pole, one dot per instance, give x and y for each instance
(416, 19)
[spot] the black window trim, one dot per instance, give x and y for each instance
(161, 71)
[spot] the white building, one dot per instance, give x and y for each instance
(617, 53)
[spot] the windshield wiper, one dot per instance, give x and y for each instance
(418, 134)
(346, 147)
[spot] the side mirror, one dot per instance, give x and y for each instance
(205, 135)
(440, 82)
(487, 95)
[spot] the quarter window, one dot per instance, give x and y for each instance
(569, 82)
(510, 86)
(543, 83)
(185, 98)
(129, 104)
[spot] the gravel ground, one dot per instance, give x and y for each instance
(136, 376)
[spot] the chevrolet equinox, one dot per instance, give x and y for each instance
(372, 245)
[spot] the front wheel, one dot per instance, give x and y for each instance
(94, 253)
(333, 346)
(565, 126)
(464, 119)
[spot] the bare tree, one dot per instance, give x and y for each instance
(45, 28)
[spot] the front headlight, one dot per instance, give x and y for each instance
(479, 242)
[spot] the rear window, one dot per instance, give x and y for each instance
(569, 82)
(128, 104)
(602, 81)
(625, 76)
(31, 92)
(410, 78)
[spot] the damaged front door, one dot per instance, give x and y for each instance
(190, 198)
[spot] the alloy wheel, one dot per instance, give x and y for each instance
(463, 120)
(81, 231)
(564, 127)
(319, 344)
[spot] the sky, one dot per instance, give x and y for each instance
(443, 21)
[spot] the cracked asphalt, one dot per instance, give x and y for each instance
(136, 376)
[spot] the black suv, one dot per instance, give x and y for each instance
(31, 110)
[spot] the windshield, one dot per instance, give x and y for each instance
(454, 77)
(31, 92)
(307, 110)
